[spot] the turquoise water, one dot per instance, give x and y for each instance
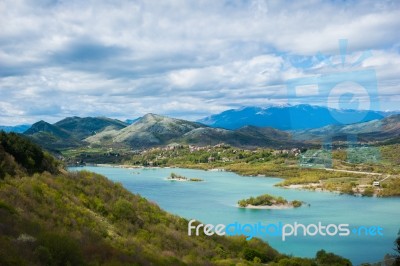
(213, 201)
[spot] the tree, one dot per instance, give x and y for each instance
(397, 249)
(19, 153)
(324, 258)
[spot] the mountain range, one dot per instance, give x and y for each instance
(16, 129)
(375, 130)
(70, 132)
(290, 117)
(149, 131)
(155, 130)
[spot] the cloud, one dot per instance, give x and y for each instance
(86, 51)
(182, 58)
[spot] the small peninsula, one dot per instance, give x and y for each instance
(176, 177)
(267, 201)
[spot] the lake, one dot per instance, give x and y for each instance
(214, 201)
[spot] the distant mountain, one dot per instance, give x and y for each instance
(51, 137)
(81, 128)
(149, 130)
(289, 117)
(385, 129)
(131, 121)
(155, 130)
(71, 131)
(45, 127)
(248, 136)
(15, 129)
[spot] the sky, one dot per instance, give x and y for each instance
(189, 59)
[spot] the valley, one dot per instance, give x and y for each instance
(199, 133)
(49, 216)
(357, 159)
(306, 161)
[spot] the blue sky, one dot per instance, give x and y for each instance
(187, 59)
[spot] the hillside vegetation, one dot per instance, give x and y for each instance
(81, 218)
(347, 176)
(19, 156)
(268, 200)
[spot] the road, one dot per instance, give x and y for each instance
(360, 172)
(354, 172)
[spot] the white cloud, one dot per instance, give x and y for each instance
(185, 58)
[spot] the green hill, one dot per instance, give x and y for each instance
(82, 218)
(93, 221)
(85, 219)
(148, 131)
(70, 132)
(19, 156)
(155, 130)
(82, 128)
(51, 137)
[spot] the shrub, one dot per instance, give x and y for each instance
(296, 203)
(252, 255)
(324, 258)
(368, 192)
(60, 250)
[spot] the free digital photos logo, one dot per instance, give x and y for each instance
(350, 92)
(282, 230)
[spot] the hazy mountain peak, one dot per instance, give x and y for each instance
(150, 117)
(288, 117)
(373, 130)
(17, 129)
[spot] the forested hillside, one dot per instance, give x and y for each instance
(19, 156)
(51, 217)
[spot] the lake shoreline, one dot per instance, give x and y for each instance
(215, 202)
(312, 186)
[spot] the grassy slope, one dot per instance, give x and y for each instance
(85, 219)
(100, 222)
(51, 217)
